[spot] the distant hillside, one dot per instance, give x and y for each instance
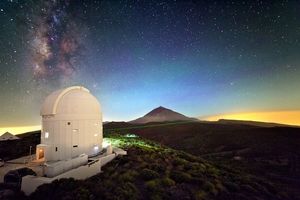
(269, 152)
(252, 123)
(162, 114)
(12, 149)
(152, 171)
(8, 136)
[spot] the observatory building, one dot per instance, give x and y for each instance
(71, 125)
(71, 140)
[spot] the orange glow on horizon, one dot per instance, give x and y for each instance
(19, 129)
(282, 117)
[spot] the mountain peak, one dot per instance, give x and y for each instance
(8, 136)
(158, 110)
(161, 114)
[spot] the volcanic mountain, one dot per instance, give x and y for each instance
(162, 114)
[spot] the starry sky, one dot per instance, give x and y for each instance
(200, 58)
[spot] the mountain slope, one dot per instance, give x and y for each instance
(161, 114)
(252, 123)
(152, 171)
(272, 153)
(8, 136)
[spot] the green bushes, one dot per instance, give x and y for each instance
(8, 192)
(180, 176)
(127, 191)
(248, 188)
(153, 185)
(167, 182)
(209, 187)
(148, 174)
(198, 181)
(128, 176)
(62, 189)
(179, 162)
(159, 174)
(158, 168)
(232, 187)
(200, 195)
(82, 194)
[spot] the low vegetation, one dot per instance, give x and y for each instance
(271, 153)
(151, 171)
(154, 171)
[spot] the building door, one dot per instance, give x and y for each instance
(75, 142)
(41, 153)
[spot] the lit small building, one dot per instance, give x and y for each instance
(8, 136)
(71, 125)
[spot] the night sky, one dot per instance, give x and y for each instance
(200, 58)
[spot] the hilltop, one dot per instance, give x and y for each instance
(213, 161)
(253, 123)
(269, 152)
(162, 114)
(154, 171)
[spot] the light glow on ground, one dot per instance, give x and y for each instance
(282, 117)
(122, 141)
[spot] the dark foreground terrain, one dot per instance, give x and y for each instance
(152, 171)
(269, 152)
(205, 161)
(12, 149)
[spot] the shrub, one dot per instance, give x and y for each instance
(128, 176)
(190, 166)
(188, 157)
(167, 182)
(248, 188)
(179, 162)
(82, 193)
(126, 191)
(158, 168)
(209, 187)
(148, 174)
(232, 187)
(155, 197)
(153, 185)
(212, 171)
(198, 181)
(200, 195)
(180, 177)
(10, 192)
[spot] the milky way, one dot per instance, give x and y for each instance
(56, 43)
(200, 58)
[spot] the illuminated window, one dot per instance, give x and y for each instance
(46, 134)
(95, 134)
(75, 130)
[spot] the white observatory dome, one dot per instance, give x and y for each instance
(74, 100)
(71, 125)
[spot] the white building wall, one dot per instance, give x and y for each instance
(61, 136)
(74, 105)
(30, 183)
